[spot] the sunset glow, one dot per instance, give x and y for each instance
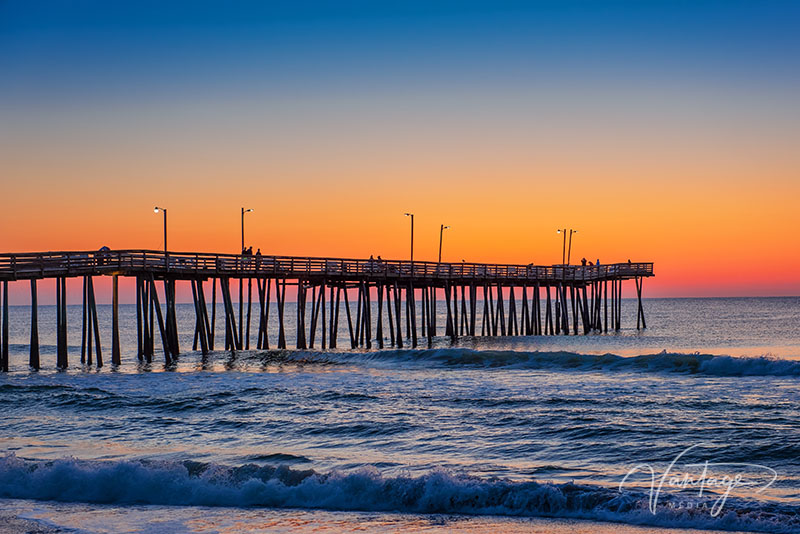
(331, 125)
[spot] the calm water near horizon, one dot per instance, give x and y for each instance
(484, 435)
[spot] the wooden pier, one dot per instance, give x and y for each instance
(540, 300)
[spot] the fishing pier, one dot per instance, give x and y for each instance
(385, 302)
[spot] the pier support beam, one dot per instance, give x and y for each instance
(398, 314)
(115, 348)
(280, 300)
(263, 322)
(93, 313)
(640, 309)
(62, 358)
(4, 334)
(33, 360)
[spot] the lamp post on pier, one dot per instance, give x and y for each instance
(565, 254)
(442, 228)
(241, 288)
(243, 212)
(412, 237)
(164, 211)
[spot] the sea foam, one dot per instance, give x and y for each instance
(191, 483)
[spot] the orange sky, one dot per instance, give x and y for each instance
(687, 158)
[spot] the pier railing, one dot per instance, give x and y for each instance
(191, 264)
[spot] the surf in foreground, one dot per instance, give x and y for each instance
(437, 492)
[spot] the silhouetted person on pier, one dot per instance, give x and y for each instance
(258, 259)
(102, 255)
(583, 262)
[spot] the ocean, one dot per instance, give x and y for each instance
(692, 423)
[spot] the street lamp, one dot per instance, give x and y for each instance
(241, 287)
(243, 212)
(412, 234)
(566, 252)
(442, 228)
(164, 211)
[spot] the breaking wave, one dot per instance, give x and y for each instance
(191, 483)
(688, 363)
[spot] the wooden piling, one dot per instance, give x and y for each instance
(335, 317)
(619, 305)
(379, 325)
(263, 321)
(213, 312)
(548, 314)
(585, 313)
(249, 311)
(324, 315)
(301, 315)
(139, 329)
(86, 333)
(513, 326)
(353, 339)
(398, 315)
(389, 313)
(200, 327)
(411, 299)
(33, 360)
(428, 316)
(640, 309)
(574, 303)
(473, 303)
(450, 327)
(432, 310)
(315, 304)
(425, 318)
(162, 328)
(230, 317)
(116, 358)
(367, 315)
(62, 356)
(4, 349)
(280, 299)
(241, 306)
(93, 308)
(464, 327)
(359, 318)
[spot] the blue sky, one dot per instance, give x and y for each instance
(86, 50)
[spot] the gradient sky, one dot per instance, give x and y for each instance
(663, 131)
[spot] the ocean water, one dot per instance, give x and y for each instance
(692, 423)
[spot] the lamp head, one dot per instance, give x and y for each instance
(155, 210)
(408, 214)
(558, 231)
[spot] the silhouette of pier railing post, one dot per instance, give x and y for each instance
(581, 299)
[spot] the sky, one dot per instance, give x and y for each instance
(663, 131)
